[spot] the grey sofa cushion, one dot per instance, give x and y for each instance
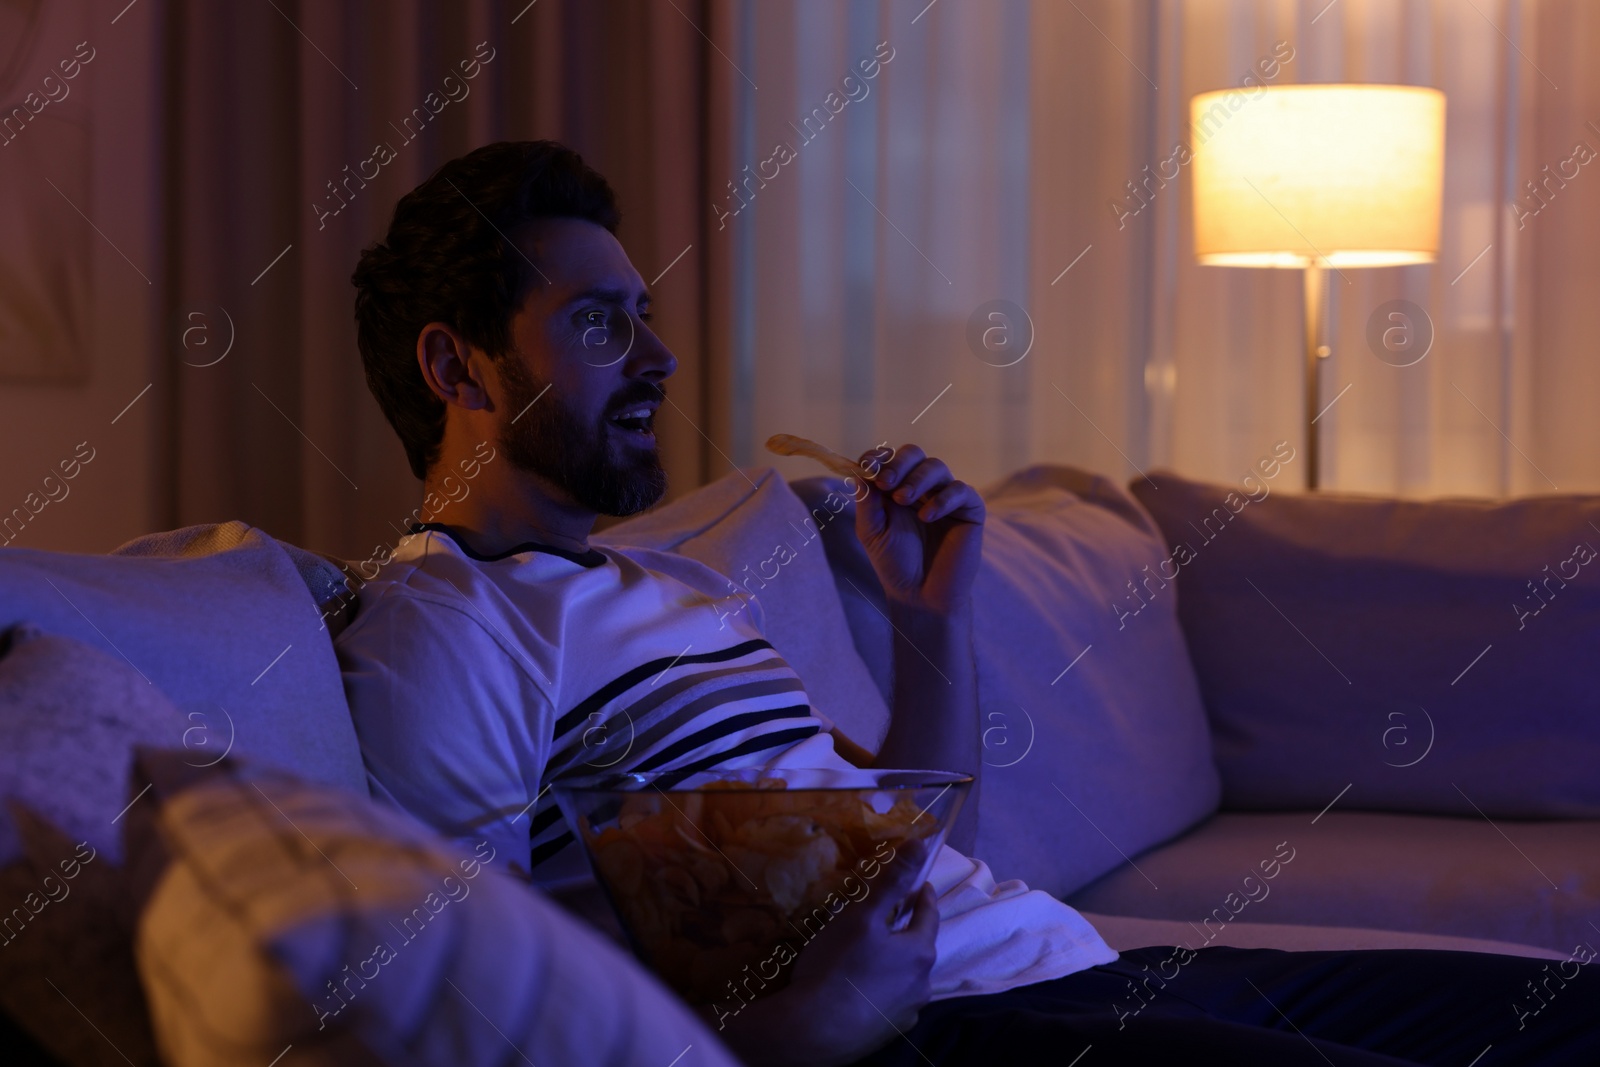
(332, 583)
(69, 718)
(220, 620)
(1123, 932)
(1437, 656)
(1532, 883)
(1095, 743)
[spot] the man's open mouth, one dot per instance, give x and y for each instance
(640, 418)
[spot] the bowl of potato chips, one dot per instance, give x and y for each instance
(721, 878)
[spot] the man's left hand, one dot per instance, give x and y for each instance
(922, 529)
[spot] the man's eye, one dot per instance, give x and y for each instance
(646, 316)
(595, 317)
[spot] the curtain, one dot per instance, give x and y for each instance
(903, 207)
(995, 159)
(268, 104)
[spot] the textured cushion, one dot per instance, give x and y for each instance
(1124, 932)
(294, 924)
(69, 717)
(1381, 644)
(223, 625)
(751, 528)
(66, 947)
(1095, 743)
(1532, 883)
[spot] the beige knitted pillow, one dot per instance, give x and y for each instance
(69, 718)
(295, 924)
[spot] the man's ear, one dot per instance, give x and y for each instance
(450, 366)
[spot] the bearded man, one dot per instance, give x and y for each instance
(501, 311)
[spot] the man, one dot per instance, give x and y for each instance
(500, 318)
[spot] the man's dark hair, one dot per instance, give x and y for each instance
(448, 257)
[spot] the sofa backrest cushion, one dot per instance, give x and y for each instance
(1438, 656)
(283, 914)
(1095, 743)
(750, 527)
(220, 620)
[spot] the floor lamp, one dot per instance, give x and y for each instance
(1322, 178)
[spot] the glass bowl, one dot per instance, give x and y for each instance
(720, 878)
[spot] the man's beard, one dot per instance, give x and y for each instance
(552, 441)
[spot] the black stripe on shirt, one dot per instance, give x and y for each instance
(665, 692)
(617, 686)
(647, 735)
(551, 814)
(549, 848)
(701, 738)
(543, 820)
(755, 744)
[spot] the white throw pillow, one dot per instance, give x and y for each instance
(751, 528)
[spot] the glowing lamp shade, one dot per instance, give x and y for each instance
(1331, 175)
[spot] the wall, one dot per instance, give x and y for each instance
(113, 496)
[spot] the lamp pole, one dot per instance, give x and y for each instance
(1316, 308)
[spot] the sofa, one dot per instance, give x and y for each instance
(1211, 715)
(1404, 695)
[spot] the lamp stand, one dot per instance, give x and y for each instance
(1317, 350)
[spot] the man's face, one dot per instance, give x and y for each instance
(583, 382)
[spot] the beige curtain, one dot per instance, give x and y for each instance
(268, 104)
(984, 166)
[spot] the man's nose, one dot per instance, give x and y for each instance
(650, 359)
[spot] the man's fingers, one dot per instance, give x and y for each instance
(870, 516)
(925, 914)
(892, 472)
(958, 500)
(895, 886)
(905, 903)
(873, 459)
(926, 477)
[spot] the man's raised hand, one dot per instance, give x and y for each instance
(922, 529)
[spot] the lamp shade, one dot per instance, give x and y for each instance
(1344, 175)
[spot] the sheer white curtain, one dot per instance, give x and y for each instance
(984, 159)
(860, 262)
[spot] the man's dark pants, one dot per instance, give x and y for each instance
(1262, 1006)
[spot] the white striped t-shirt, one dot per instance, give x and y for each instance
(475, 682)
